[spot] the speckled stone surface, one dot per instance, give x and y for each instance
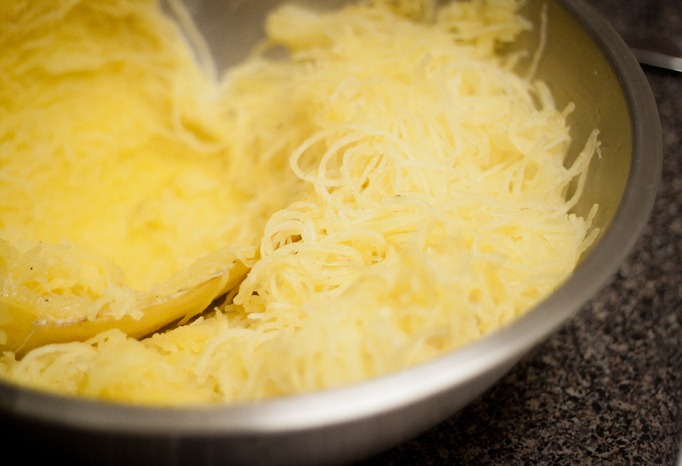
(607, 387)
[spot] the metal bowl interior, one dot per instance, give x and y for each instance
(585, 62)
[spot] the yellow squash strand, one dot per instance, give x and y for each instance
(403, 190)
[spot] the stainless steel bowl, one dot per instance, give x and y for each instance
(585, 61)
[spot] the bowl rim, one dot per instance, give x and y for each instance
(439, 375)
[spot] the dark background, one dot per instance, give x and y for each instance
(607, 388)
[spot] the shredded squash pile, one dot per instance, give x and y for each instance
(395, 188)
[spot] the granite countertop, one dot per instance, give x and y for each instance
(607, 387)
